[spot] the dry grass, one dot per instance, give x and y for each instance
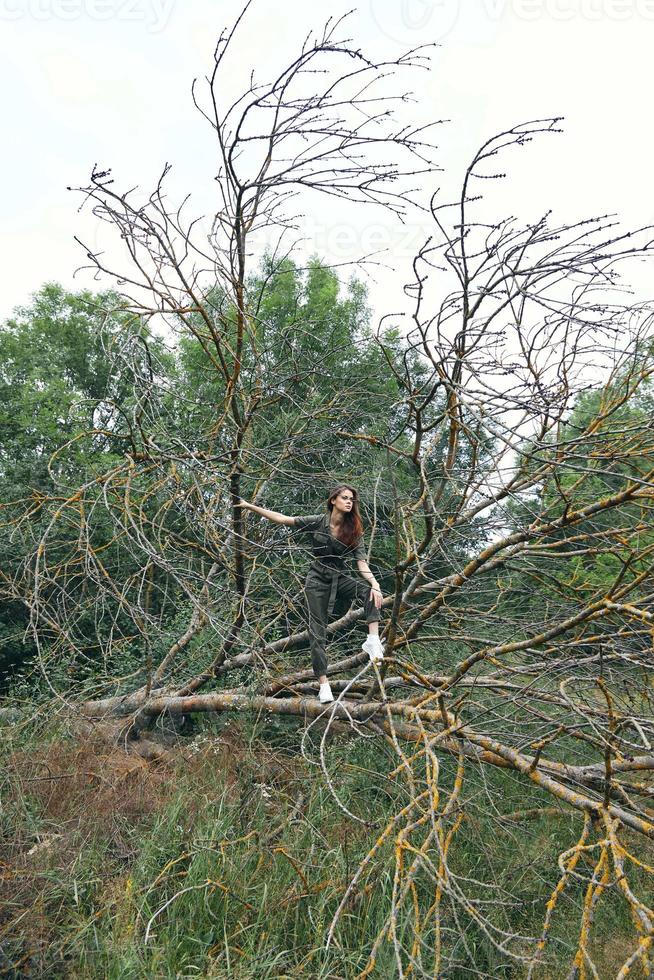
(67, 802)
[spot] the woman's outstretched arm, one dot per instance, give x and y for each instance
(271, 515)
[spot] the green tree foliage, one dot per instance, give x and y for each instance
(605, 445)
(66, 396)
(314, 369)
(82, 382)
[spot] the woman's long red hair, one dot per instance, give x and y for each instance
(351, 529)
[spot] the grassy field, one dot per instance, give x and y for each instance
(230, 859)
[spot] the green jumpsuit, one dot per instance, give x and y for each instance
(328, 581)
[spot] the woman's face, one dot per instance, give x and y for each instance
(343, 501)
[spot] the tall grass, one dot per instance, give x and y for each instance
(231, 861)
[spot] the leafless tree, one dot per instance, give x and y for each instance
(518, 628)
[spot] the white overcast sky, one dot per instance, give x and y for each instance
(108, 81)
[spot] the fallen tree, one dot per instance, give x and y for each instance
(508, 485)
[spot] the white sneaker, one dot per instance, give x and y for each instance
(325, 693)
(373, 647)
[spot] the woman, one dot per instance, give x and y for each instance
(335, 536)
